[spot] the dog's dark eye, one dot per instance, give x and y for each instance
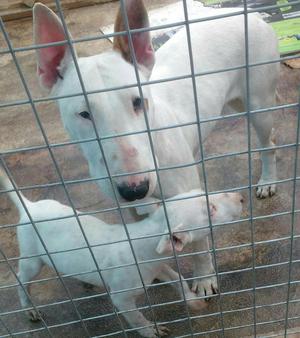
(86, 115)
(137, 104)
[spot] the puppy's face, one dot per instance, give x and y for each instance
(225, 207)
(189, 218)
(192, 209)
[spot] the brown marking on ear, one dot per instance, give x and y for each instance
(119, 41)
(137, 18)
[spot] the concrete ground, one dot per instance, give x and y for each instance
(18, 129)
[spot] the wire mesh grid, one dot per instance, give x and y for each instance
(222, 310)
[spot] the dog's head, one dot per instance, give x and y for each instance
(112, 112)
(191, 213)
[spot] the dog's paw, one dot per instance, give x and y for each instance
(35, 316)
(263, 191)
(151, 332)
(205, 287)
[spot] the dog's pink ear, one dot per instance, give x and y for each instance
(48, 28)
(137, 18)
(179, 239)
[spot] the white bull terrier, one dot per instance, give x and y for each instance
(216, 45)
(189, 224)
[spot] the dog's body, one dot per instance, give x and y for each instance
(62, 235)
(216, 45)
(174, 101)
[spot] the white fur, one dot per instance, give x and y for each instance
(188, 216)
(216, 45)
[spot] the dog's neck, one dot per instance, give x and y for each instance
(152, 228)
(151, 225)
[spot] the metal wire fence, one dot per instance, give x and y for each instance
(223, 330)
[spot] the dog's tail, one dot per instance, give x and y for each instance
(6, 184)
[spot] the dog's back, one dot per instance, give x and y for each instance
(51, 224)
(216, 45)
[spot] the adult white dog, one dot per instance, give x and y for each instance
(110, 247)
(216, 45)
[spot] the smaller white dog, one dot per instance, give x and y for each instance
(188, 221)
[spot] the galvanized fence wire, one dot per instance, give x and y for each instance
(195, 96)
(248, 107)
(52, 157)
(105, 210)
(222, 273)
(174, 78)
(136, 69)
(104, 157)
(158, 27)
(62, 181)
(99, 141)
(201, 316)
(6, 328)
(8, 263)
(292, 226)
(198, 122)
(133, 204)
(205, 158)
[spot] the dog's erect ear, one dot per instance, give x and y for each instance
(137, 18)
(179, 239)
(51, 61)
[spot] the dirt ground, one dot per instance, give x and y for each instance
(18, 129)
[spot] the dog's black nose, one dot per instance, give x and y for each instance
(133, 191)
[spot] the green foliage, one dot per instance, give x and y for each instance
(287, 30)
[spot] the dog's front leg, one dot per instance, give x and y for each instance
(126, 302)
(203, 266)
(263, 124)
